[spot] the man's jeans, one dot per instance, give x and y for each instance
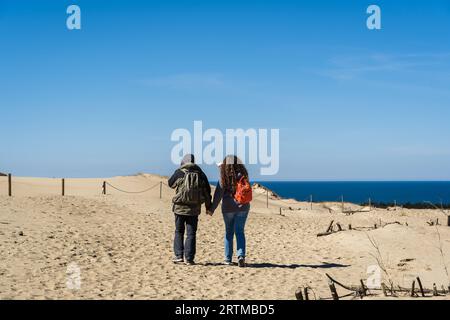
(234, 225)
(187, 249)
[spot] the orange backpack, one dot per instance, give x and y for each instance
(243, 194)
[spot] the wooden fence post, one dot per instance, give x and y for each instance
(413, 288)
(267, 198)
(342, 202)
(160, 189)
(306, 293)
(299, 294)
(311, 201)
(63, 186)
(448, 221)
(104, 187)
(9, 185)
(420, 287)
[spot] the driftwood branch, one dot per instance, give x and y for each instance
(358, 290)
(334, 293)
(330, 229)
(349, 288)
(302, 293)
(433, 222)
(350, 212)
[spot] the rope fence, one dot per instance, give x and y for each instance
(160, 184)
(10, 184)
(53, 186)
(132, 192)
(260, 196)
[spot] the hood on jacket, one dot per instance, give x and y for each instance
(188, 158)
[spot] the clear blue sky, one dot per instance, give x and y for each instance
(351, 104)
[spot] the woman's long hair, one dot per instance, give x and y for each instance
(231, 167)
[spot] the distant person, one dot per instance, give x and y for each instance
(235, 192)
(192, 189)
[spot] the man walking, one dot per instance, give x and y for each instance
(192, 190)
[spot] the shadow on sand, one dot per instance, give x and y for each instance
(324, 265)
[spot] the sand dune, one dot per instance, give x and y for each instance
(122, 243)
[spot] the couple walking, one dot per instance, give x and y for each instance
(193, 189)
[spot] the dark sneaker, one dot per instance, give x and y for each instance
(177, 260)
(241, 262)
(190, 262)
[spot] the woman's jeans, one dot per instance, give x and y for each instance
(234, 225)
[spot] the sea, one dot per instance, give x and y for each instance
(400, 192)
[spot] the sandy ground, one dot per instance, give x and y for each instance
(122, 245)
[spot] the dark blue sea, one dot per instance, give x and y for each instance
(360, 192)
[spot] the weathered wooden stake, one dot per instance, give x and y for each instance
(448, 221)
(413, 288)
(63, 187)
(9, 185)
(299, 294)
(349, 227)
(342, 203)
(420, 287)
(280, 211)
(306, 293)
(311, 201)
(363, 288)
(330, 227)
(267, 198)
(104, 187)
(160, 189)
(333, 290)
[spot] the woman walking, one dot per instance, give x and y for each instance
(234, 189)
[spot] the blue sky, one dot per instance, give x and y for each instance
(350, 103)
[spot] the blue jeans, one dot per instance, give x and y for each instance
(234, 225)
(181, 247)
